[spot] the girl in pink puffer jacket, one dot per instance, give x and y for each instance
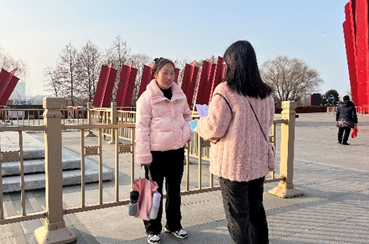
(162, 131)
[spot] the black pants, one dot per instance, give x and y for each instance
(345, 132)
(243, 205)
(168, 165)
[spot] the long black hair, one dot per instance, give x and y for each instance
(159, 63)
(242, 74)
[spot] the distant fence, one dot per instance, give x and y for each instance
(360, 110)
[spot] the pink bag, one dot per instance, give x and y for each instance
(146, 188)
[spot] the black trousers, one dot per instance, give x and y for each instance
(243, 206)
(345, 132)
(168, 165)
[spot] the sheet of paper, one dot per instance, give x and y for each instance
(202, 109)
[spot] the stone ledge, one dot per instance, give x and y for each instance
(35, 166)
(37, 181)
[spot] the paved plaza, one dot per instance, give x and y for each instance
(334, 208)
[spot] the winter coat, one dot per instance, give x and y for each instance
(241, 152)
(346, 115)
(161, 124)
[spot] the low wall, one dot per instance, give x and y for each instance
(306, 109)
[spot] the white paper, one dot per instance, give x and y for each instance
(202, 109)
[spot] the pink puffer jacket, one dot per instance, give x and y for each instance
(161, 124)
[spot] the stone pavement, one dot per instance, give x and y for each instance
(334, 208)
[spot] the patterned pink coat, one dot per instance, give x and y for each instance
(161, 124)
(241, 154)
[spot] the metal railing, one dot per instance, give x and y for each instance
(33, 116)
(362, 110)
(21, 117)
(53, 127)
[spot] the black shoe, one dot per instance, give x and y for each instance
(153, 239)
(181, 234)
(345, 143)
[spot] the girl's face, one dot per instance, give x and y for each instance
(165, 76)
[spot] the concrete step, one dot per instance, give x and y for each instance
(70, 160)
(35, 166)
(37, 181)
(30, 154)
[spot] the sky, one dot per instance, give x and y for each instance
(310, 30)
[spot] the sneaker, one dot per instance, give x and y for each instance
(153, 239)
(345, 143)
(182, 234)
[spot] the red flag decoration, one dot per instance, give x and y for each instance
(8, 81)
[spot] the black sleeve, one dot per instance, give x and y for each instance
(354, 115)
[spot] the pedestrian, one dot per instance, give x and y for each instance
(162, 130)
(346, 118)
(240, 117)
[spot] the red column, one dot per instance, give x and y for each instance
(361, 20)
(102, 84)
(8, 81)
(219, 75)
(350, 43)
(123, 84)
(203, 82)
(189, 81)
(145, 79)
(108, 87)
(130, 88)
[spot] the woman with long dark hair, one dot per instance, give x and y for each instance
(240, 117)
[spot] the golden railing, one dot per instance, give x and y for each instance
(53, 126)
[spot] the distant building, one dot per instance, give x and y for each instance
(19, 92)
(315, 99)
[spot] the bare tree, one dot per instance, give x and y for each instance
(118, 54)
(88, 69)
(290, 79)
(52, 83)
(65, 74)
(8, 63)
(181, 64)
(139, 60)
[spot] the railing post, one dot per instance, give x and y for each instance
(54, 230)
(113, 120)
(89, 120)
(285, 187)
